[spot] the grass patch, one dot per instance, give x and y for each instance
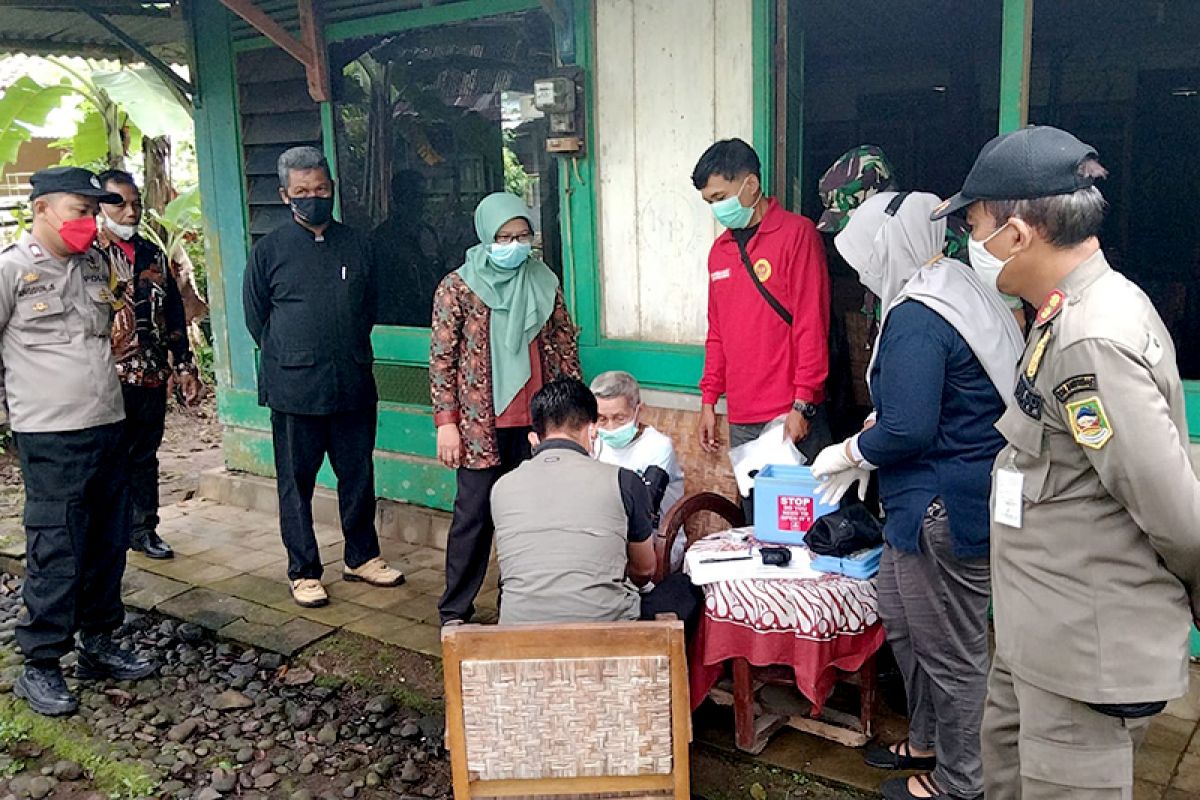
(68, 741)
(347, 659)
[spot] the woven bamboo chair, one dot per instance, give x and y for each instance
(590, 710)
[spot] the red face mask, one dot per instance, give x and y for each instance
(78, 234)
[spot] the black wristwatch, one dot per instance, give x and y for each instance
(807, 410)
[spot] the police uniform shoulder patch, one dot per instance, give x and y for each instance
(1089, 423)
(1049, 310)
(1073, 384)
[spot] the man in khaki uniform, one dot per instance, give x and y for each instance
(58, 386)
(1095, 508)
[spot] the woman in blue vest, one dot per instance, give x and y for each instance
(941, 373)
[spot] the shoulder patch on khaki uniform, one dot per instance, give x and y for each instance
(1089, 423)
(1073, 384)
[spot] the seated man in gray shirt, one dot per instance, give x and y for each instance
(573, 535)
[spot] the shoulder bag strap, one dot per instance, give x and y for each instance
(772, 301)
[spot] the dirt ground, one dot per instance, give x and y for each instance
(191, 445)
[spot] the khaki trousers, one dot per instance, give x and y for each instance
(1041, 746)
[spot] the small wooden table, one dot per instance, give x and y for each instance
(811, 633)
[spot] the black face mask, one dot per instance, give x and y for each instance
(313, 210)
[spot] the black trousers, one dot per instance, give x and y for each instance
(674, 595)
(301, 443)
(145, 421)
(77, 532)
(469, 544)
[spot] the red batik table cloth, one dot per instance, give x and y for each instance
(816, 626)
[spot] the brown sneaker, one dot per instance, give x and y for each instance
(375, 572)
(309, 592)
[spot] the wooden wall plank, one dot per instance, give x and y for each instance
(687, 91)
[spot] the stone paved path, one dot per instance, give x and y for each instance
(230, 576)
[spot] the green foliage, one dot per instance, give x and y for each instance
(123, 779)
(151, 104)
(516, 180)
(89, 145)
(25, 105)
(13, 730)
(179, 220)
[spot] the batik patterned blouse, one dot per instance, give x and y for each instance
(460, 364)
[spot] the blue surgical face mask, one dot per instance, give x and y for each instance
(621, 437)
(511, 255)
(731, 213)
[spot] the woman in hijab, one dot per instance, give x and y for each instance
(943, 368)
(500, 330)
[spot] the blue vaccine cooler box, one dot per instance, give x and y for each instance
(786, 504)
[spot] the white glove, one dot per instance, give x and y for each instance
(837, 472)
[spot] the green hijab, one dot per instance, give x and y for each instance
(521, 299)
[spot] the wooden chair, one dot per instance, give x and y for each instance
(590, 710)
(682, 522)
(754, 724)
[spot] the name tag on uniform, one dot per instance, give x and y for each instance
(1009, 497)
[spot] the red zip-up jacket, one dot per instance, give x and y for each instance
(751, 355)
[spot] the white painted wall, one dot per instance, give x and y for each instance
(672, 77)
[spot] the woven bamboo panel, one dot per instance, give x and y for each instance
(702, 472)
(567, 718)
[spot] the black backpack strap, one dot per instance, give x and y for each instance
(772, 301)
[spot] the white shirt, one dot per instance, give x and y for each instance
(651, 449)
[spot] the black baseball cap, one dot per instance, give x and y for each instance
(71, 180)
(1038, 161)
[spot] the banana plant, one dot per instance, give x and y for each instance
(179, 220)
(119, 107)
(25, 105)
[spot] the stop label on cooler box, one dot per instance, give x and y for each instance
(795, 513)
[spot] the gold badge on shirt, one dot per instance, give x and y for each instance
(762, 268)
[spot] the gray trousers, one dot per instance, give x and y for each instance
(934, 611)
(1041, 746)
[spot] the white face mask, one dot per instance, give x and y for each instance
(124, 232)
(988, 267)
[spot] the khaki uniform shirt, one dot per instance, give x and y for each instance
(58, 370)
(1095, 591)
(562, 541)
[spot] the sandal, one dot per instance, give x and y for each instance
(898, 757)
(897, 788)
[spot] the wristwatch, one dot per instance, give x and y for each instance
(807, 410)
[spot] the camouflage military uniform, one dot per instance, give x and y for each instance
(864, 171)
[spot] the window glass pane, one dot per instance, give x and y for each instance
(1124, 76)
(919, 80)
(430, 121)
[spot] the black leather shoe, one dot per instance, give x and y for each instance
(100, 658)
(45, 691)
(152, 545)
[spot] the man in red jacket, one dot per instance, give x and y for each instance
(767, 348)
